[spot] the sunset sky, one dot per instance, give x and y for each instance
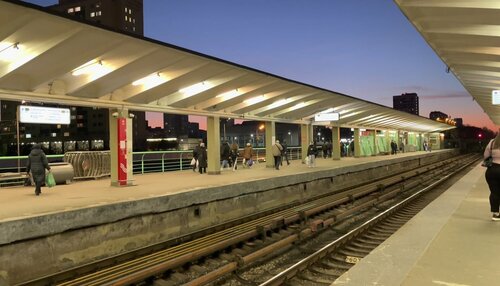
(366, 49)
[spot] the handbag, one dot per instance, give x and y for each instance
(193, 162)
(49, 180)
(488, 162)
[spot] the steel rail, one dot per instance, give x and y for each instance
(290, 272)
(176, 256)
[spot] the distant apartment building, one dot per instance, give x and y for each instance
(176, 125)
(122, 15)
(89, 127)
(407, 102)
(459, 122)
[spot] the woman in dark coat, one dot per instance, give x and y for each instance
(37, 163)
(202, 159)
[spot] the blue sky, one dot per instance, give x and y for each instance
(366, 49)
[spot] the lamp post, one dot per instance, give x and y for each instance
(290, 133)
(261, 127)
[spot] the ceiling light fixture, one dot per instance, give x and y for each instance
(230, 94)
(150, 81)
(87, 68)
(8, 51)
(255, 100)
(195, 88)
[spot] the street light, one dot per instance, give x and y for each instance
(261, 127)
(290, 133)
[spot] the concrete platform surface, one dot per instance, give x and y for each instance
(21, 202)
(453, 242)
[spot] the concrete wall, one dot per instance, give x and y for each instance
(60, 241)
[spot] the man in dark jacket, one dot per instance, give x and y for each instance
(37, 163)
(202, 159)
(284, 153)
(224, 155)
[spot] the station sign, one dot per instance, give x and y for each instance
(332, 116)
(495, 97)
(44, 115)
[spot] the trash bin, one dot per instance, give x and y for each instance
(63, 172)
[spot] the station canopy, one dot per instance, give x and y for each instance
(51, 58)
(465, 34)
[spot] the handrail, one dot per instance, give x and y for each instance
(147, 161)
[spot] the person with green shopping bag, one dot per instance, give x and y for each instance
(37, 163)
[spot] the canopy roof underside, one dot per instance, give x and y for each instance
(51, 58)
(465, 34)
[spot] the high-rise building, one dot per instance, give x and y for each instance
(176, 125)
(123, 15)
(407, 102)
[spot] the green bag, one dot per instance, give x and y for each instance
(49, 180)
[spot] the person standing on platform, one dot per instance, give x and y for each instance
(202, 159)
(37, 163)
(224, 155)
(394, 147)
(196, 152)
(284, 153)
(234, 153)
(247, 155)
(312, 151)
(330, 149)
(493, 175)
(277, 149)
(324, 149)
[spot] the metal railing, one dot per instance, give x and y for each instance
(89, 164)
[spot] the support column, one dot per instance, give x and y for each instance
(375, 143)
(420, 142)
(335, 143)
(213, 145)
(305, 139)
(120, 145)
(387, 141)
(398, 141)
(270, 138)
(357, 143)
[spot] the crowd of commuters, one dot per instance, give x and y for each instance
(229, 154)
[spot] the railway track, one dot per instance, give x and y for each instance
(219, 256)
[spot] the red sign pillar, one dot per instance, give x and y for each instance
(122, 151)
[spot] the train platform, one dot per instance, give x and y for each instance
(453, 242)
(72, 225)
(21, 202)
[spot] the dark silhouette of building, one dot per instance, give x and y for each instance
(437, 115)
(123, 15)
(407, 102)
(459, 122)
(140, 130)
(176, 125)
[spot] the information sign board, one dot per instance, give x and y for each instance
(43, 115)
(333, 116)
(495, 97)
